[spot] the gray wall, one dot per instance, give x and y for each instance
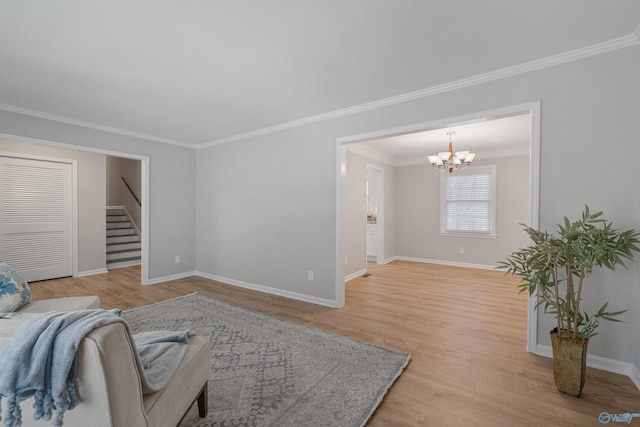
(266, 211)
(253, 224)
(412, 214)
(91, 197)
(354, 228)
(172, 185)
(418, 215)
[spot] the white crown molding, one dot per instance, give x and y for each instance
(500, 152)
(574, 55)
(20, 138)
(607, 46)
(89, 125)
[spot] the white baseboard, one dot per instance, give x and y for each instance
(269, 290)
(171, 277)
(441, 262)
(596, 362)
(635, 376)
(91, 272)
(602, 363)
(354, 275)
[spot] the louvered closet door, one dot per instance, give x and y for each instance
(36, 217)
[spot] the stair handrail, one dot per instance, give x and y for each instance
(131, 191)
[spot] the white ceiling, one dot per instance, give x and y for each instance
(203, 71)
(502, 137)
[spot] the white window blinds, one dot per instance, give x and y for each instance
(468, 202)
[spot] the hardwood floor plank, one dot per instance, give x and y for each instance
(465, 330)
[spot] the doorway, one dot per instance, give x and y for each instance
(375, 214)
(532, 110)
(124, 212)
(91, 206)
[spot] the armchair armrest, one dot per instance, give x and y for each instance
(108, 384)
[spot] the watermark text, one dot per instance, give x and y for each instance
(606, 418)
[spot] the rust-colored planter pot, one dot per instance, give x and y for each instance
(569, 363)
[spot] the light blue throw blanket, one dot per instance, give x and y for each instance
(41, 361)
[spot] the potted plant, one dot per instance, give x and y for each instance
(554, 269)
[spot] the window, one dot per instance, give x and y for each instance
(468, 202)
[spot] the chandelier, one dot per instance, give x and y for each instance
(448, 162)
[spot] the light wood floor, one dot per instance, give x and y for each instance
(465, 330)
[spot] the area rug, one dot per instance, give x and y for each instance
(266, 371)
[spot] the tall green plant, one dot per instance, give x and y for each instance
(567, 259)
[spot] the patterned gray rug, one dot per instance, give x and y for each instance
(267, 371)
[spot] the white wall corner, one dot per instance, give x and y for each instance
(354, 275)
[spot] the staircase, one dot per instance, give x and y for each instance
(124, 247)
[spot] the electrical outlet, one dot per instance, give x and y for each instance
(177, 259)
(310, 274)
(461, 250)
(346, 261)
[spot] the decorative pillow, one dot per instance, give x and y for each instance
(14, 290)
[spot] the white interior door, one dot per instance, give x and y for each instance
(36, 217)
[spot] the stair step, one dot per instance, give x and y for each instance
(127, 246)
(120, 255)
(122, 239)
(124, 247)
(119, 224)
(123, 263)
(121, 232)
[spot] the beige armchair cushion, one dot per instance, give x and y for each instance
(108, 384)
(62, 304)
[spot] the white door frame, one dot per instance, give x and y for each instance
(144, 170)
(531, 108)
